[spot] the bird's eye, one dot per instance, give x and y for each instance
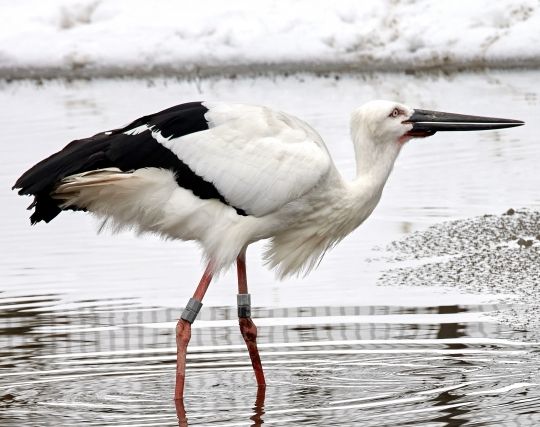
(395, 112)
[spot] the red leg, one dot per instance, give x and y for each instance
(247, 327)
(181, 413)
(183, 331)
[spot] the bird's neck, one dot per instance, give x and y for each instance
(374, 159)
(344, 207)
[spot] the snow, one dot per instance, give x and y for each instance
(117, 37)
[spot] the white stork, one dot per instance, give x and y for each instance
(227, 175)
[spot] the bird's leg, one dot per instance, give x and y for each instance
(181, 413)
(183, 330)
(247, 327)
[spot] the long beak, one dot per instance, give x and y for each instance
(429, 122)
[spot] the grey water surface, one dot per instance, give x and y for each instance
(87, 320)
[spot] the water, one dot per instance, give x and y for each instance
(87, 322)
(111, 363)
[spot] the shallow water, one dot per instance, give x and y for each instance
(111, 364)
(87, 322)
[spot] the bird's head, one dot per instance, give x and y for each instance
(387, 121)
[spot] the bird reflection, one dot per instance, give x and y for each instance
(258, 408)
(256, 418)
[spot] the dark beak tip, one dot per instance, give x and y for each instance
(425, 120)
(515, 123)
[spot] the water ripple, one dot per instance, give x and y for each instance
(354, 369)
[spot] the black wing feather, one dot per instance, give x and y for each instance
(125, 152)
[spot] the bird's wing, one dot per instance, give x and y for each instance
(258, 159)
(249, 157)
(129, 148)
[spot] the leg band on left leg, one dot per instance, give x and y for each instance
(244, 305)
(192, 309)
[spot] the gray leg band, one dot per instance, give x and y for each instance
(244, 305)
(192, 309)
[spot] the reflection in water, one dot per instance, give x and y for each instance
(258, 407)
(110, 363)
(255, 418)
(455, 415)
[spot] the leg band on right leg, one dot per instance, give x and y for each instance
(192, 309)
(244, 305)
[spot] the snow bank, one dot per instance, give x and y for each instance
(119, 37)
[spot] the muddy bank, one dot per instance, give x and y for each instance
(496, 254)
(83, 70)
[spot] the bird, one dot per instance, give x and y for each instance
(228, 174)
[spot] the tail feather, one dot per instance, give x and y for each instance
(97, 178)
(72, 189)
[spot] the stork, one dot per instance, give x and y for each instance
(227, 175)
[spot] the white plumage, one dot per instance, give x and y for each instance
(257, 158)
